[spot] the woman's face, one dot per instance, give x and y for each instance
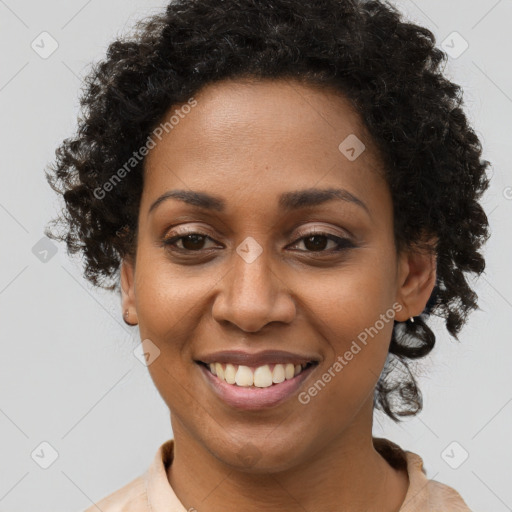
(258, 278)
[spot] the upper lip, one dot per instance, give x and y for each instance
(255, 359)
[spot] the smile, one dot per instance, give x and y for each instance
(261, 377)
(254, 388)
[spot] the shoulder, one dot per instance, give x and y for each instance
(129, 498)
(424, 494)
(443, 497)
(149, 491)
(434, 496)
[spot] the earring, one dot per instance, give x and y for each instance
(125, 317)
(411, 319)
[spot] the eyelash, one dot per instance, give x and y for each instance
(342, 243)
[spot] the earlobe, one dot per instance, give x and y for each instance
(417, 278)
(128, 292)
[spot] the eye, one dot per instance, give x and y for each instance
(192, 242)
(314, 241)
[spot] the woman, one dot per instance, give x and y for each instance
(283, 192)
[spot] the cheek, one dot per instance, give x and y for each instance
(168, 298)
(353, 318)
(172, 311)
(346, 302)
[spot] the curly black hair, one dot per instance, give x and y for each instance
(389, 69)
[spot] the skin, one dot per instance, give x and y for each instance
(248, 142)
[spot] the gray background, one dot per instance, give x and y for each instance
(68, 375)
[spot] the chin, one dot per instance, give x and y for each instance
(261, 456)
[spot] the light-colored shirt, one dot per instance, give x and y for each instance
(151, 491)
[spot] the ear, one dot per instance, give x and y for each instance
(128, 291)
(417, 273)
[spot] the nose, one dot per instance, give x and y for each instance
(252, 295)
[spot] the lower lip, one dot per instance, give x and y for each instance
(251, 398)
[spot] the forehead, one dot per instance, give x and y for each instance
(230, 111)
(266, 137)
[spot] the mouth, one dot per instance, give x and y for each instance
(262, 376)
(249, 388)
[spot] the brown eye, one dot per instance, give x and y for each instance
(193, 242)
(313, 242)
(317, 242)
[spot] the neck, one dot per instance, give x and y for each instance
(347, 474)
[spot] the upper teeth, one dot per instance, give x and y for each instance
(261, 377)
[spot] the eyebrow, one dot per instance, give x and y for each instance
(288, 201)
